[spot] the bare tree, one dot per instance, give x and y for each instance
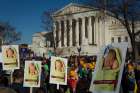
(8, 34)
(128, 14)
(48, 21)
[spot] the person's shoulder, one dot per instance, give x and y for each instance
(7, 90)
(15, 85)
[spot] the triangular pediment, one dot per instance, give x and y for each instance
(73, 8)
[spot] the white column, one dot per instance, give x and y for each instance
(100, 30)
(59, 34)
(122, 38)
(83, 31)
(95, 22)
(107, 34)
(103, 30)
(115, 39)
(70, 34)
(89, 30)
(54, 32)
(65, 33)
(97, 32)
(77, 32)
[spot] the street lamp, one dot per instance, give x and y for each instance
(79, 50)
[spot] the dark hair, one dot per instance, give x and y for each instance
(40, 90)
(3, 80)
(6, 90)
(88, 92)
(17, 74)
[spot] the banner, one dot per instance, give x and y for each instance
(10, 57)
(0, 57)
(23, 52)
(109, 69)
(32, 73)
(58, 71)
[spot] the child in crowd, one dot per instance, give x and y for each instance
(72, 80)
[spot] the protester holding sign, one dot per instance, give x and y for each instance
(73, 79)
(17, 83)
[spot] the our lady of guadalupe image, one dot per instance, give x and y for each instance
(58, 70)
(109, 69)
(32, 73)
(107, 74)
(10, 57)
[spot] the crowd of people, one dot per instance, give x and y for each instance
(131, 77)
(80, 71)
(79, 78)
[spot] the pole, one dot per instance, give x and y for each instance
(11, 76)
(57, 86)
(31, 90)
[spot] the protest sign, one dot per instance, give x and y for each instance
(10, 57)
(58, 71)
(32, 73)
(0, 57)
(109, 69)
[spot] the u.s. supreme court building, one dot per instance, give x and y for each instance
(79, 26)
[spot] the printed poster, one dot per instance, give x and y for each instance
(109, 69)
(32, 73)
(10, 57)
(58, 71)
(1, 57)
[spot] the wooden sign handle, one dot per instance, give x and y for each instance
(57, 86)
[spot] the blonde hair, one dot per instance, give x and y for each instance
(62, 64)
(13, 51)
(36, 70)
(110, 58)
